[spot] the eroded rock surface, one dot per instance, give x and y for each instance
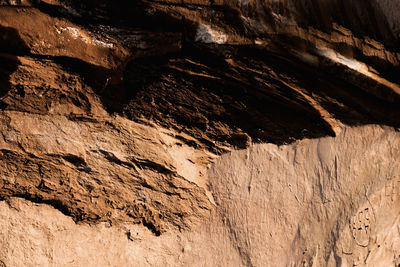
(199, 133)
(323, 202)
(312, 203)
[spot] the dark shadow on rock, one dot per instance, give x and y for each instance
(9, 64)
(116, 13)
(201, 94)
(93, 75)
(11, 46)
(229, 93)
(347, 97)
(363, 18)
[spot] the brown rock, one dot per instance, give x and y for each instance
(199, 133)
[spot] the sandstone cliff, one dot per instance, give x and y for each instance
(199, 133)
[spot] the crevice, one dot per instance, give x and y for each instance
(75, 160)
(55, 203)
(145, 163)
(112, 158)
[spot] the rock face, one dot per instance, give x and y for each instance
(314, 202)
(311, 203)
(199, 133)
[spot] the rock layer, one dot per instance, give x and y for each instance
(312, 203)
(112, 112)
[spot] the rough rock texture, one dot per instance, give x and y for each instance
(133, 134)
(322, 202)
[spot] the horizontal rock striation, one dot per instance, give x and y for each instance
(153, 116)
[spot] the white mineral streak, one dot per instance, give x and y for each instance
(357, 66)
(205, 34)
(77, 33)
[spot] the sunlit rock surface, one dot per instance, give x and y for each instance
(199, 133)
